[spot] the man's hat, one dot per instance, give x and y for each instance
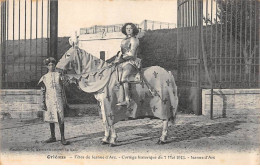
(49, 60)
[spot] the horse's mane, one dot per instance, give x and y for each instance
(86, 62)
(94, 72)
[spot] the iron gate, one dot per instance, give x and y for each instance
(26, 40)
(218, 47)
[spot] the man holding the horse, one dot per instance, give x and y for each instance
(53, 100)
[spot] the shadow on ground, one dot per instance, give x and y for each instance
(176, 133)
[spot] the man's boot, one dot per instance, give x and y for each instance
(63, 140)
(52, 138)
(127, 98)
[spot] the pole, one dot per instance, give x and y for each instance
(3, 43)
(54, 28)
(200, 27)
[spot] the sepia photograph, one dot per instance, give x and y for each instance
(130, 82)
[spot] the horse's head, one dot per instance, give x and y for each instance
(80, 61)
(67, 61)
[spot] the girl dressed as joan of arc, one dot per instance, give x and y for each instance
(127, 57)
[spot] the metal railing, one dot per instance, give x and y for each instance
(97, 29)
(143, 26)
(227, 41)
(25, 41)
(218, 44)
(155, 25)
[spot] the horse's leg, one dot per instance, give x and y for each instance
(163, 137)
(105, 140)
(113, 136)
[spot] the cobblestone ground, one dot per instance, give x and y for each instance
(239, 132)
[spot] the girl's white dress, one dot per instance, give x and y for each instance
(54, 97)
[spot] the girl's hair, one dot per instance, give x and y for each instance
(135, 29)
(49, 60)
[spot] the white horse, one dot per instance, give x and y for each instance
(153, 95)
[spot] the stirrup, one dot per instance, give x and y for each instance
(124, 103)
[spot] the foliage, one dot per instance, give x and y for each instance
(159, 47)
(239, 18)
(233, 36)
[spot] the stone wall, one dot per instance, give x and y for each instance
(227, 101)
(23, 104)
(16, 103)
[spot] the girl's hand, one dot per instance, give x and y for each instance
(119, 53)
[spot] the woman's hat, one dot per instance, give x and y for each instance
(49, 60)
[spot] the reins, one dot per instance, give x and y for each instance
(150, 88)
(98, 70)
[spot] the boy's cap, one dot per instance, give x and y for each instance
(49, 60)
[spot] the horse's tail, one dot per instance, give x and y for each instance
(173, 96)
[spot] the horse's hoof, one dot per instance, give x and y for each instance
(112, 142)
(161, 142)
(112, 145)
(104, 143)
